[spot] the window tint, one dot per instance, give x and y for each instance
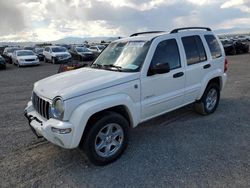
(194, 49)
(213, 46)
(167, 52)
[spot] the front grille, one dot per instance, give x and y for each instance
(29, 59)
(40, 105)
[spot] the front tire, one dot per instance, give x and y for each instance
(209, 100)
(107, 139)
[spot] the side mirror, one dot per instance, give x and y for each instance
(160, 68)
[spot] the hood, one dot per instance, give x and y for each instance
(81, 81)
(27, 57)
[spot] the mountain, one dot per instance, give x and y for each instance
(80, 40)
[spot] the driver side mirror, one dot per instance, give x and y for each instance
(159, 68)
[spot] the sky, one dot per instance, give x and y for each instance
(49, 20)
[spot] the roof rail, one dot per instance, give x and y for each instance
(187, 28)
(147, 32)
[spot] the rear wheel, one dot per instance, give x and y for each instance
(107, 139)
(209, 100)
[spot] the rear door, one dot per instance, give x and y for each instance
(197, 65)
(162, 92)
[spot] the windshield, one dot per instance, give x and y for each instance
(40, 50)
(24, 53)
(101, 47)
(128, 56)
(58, 49)
(81, 49)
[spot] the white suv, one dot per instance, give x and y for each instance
(133, 80)
(56, 54)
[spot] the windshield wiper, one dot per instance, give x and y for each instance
(96, 66)
(113, 66)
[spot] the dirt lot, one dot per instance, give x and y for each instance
(179, 149)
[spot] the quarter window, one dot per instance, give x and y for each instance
(167, 52)
(213, 46)
(194, 49)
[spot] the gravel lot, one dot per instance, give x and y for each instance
(179, 149)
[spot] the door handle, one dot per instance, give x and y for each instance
(179, 74)
(206, 66)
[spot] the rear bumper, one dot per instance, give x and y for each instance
(42, 127)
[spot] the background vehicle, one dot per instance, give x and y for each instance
(96, 49)
(133, 80)
(25, 58)
(243, 38)
(56, 54)
(235, 47)
(8, 52)
(39, 53)
(82, 54)
(28, 48)
(2, 63)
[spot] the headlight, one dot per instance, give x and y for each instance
(57, 108)
(21, 59)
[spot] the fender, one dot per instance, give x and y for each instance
(207, 78)
(82, 113)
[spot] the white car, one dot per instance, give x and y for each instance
(25, 58)
(8, 52)
(96, 49)
(133, 80)
(56, 54)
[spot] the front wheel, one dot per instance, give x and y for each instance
(209, 100)
(107, 139)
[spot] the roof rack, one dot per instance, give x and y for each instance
(147, 32)
(187, 28)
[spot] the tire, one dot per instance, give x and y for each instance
(98, 136)
(209, 100)
(53, 60)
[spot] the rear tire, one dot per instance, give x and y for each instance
(209, 100)
(107, 139)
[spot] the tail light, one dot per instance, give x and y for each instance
(225, 65)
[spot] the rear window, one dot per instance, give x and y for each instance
(213, 46)
(194, 49)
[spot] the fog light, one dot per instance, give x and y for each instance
(60, 131)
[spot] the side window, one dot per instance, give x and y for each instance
(194, 49)
(213, 46)
(167, 52)
(46, 49)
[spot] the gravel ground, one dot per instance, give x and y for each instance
(179, 149)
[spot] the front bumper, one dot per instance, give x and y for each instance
(42, 127)
(27, 63)
(62, 60)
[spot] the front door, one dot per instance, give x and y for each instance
(162, 92)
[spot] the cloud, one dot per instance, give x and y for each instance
(44, 20)
(11, 18)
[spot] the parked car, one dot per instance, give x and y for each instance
(28, 48)
(133, 80)
(2, 63)
(82, 54)
(39, 53)
(224, 39)
(8, 52)
(243, 38)
(25, 58)
(96, 49)
(56, 54)
(235, 47)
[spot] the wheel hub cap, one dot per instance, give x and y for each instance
(109, 140)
